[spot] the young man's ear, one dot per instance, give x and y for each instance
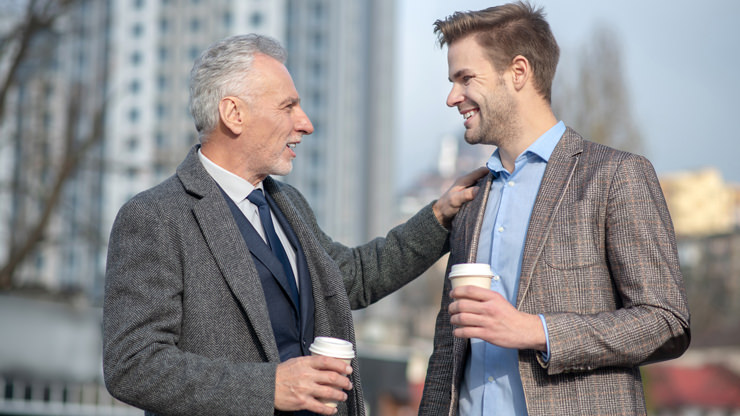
(232, 113)
(521, 70)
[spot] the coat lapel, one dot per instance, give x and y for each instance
(228, 249)
(319, 264)
(558, 174)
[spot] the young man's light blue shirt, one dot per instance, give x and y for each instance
(492, 384)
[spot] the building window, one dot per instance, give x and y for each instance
(317, 70)
(138, 4)
(316, 99)
(133, 115)
(195, 25)
(137, 30)
(162, 82)
(134, 86)
(164, 25)
(46, 121)
(318, 11)
(227, 19)
(256, 19)
(159, 139)
(136, 58)
(132, 144)
(160, 170)
(163, 54)
(318, 40)
(194, 53)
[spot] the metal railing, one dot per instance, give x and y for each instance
(35, 397)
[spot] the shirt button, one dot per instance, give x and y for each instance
(501, 229)
(496, 277)
(511, 183)
(490, 379)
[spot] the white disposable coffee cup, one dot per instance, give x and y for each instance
(473, 274)
(335, 348)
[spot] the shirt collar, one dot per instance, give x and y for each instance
(237, 188)
(542, 148)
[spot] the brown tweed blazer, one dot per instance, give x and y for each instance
(600, 263)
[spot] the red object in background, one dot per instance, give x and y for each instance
(708, 386)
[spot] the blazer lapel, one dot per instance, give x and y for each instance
(558, 174)
(464, 239)
(473, 222)
(228, 249)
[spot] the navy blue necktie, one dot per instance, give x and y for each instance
(258, 198)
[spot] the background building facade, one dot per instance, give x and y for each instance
(341, 56)
(106, 85)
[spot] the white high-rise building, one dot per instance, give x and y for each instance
(132, 58)
(149, 128)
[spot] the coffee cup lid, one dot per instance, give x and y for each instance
(332, 347)
(470, 269)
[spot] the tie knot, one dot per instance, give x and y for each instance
(257, 198)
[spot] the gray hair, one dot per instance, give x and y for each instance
(223, 69)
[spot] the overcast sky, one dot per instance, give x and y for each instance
(680, 58)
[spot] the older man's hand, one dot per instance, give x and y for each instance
(459, 193)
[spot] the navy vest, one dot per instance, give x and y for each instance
(293, 328)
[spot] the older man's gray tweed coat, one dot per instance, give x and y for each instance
(600, 263)
(186, 327)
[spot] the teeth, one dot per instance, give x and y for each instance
(291, 145)
(468, 114)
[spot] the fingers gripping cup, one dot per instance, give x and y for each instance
(335, 348)
(475, 274)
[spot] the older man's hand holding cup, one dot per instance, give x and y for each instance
(334, 348)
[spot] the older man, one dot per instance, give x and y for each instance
(219, 278)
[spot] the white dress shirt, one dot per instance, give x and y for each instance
(238, 188)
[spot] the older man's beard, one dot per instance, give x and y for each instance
(498, 124)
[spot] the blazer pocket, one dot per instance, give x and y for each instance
(576, 237)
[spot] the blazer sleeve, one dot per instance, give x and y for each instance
(650, 318)
(375, 269)
(142, 326)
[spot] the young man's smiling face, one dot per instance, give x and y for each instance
(480, 93)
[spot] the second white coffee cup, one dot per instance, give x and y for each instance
(475, 274)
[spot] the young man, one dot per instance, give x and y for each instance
(587, 285)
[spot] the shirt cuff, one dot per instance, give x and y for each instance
(545, 354)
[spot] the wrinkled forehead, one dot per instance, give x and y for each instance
(272, 75)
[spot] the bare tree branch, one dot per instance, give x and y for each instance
(47, 159)
(39, 16)
(71, 159)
